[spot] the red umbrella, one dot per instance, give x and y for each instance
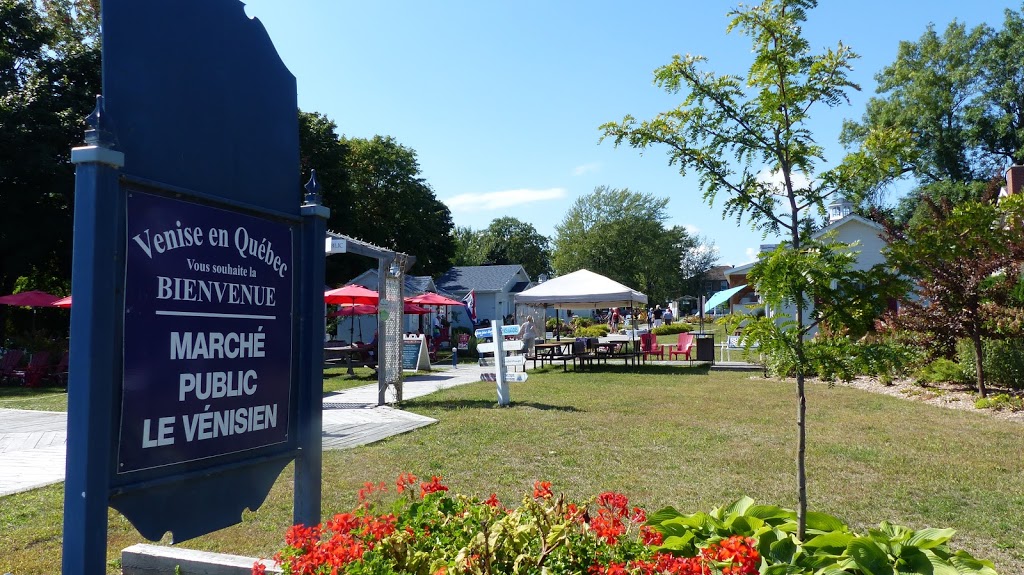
(348, 310)
(352, 293)
(413, 309)
(366, 309)
(62, 302)
(431, 298)
(29, 299)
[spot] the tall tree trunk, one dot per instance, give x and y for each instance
(801, 441)
(979, 369)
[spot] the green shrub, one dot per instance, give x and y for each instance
(579, 321)
(599, 330)
(941, 371)
(671, 329)
(1000, 402)
(1003, 361)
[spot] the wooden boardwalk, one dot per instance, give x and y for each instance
(32, 443)
(31, 449)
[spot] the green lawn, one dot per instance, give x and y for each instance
(687, 438)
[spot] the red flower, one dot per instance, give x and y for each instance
(650, 536)
(433, 487)
(541, 489)
(738, 552)
(258, 568)
(493, 501)
(343, 523)
(405, 480)
(607, 526)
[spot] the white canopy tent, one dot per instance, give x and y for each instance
(581, 289)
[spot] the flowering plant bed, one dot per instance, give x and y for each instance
(433, 532)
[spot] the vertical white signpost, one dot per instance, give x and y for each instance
(497, 333)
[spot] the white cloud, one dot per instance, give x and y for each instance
(502, 199)
(775, 178)
(704, 249)
(691, 229)
(752, 253)
(591, 167)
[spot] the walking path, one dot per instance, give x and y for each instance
(32, 443)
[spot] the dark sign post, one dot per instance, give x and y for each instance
(196, 333)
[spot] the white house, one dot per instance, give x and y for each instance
(494, 287)
(844, 227)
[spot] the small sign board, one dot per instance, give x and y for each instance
(516, 376)
(463, 341)
(414, 354)
(510, 361)
(490, 347)
(488, 332)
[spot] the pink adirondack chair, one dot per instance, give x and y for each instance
(684, 347)
(38, 366)
(9, 364)
(649, 346)
(59, 374)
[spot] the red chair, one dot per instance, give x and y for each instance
(38, 367)
(9, 363)
(649, 346)
(684, 347)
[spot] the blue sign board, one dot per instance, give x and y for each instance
(208, 332)
(489, 332)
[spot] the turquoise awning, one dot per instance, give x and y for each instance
(721, 297)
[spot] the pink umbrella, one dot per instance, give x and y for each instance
(32, 298)
(62, 302)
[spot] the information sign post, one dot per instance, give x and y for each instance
(195, 366)
(95, 316)
(309, 461)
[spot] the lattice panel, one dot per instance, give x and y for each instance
(392, 336)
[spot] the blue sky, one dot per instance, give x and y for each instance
(501, 100)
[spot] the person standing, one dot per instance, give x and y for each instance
(667, 316)
(528, 333)
(614, 319)
(658, 314)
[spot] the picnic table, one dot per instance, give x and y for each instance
(619, 347)
(340, 355)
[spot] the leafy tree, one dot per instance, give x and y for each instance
(375, 192)
(728, 128)
(621, 234)
(954, 100)
(394, 207)
(49, 78)
(511, 241)
(470, 248)
(966, 261)
(696, 264)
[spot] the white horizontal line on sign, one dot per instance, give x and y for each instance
(490, 347)
(517, 376)
(213, 314)
(512, 360)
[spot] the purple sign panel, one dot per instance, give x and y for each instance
(207, 333)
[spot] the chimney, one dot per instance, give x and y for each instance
(1014, 180)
